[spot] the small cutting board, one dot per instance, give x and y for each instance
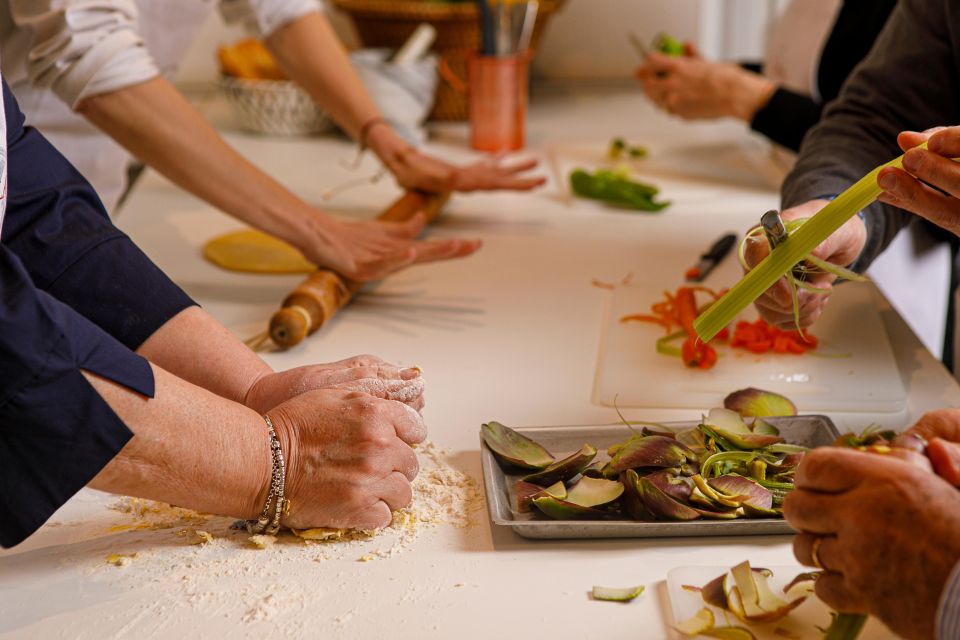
(856, 372)
(801, 624)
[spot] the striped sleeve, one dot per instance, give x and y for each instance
(948, 616)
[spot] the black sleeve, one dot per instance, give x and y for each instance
(58, 228)
(56, 432)
(787, 117)
(909, 81)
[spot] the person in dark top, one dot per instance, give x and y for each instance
(112, 377)
(694, 88)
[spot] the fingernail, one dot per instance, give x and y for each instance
(889, 181)
(410, 374)
(913, 160)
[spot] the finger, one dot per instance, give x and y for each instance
(405, 391)
(377, 516)
(906, 192)
(943, 423)
(834, 591)
(834, 470)
(378, 269)
(813, 512)
(408, 423)
(660, 63)
(364, 360)
(691, 50)
(395, 490)
(431, 251)
(383, 372)
(933, 169)
(909, 139)
(411, 228)
(522, 165)
(945, 458)
(804, 544)
(807, 315)
(522, 184)
(944, 141)
(807, 304)
(418, 404)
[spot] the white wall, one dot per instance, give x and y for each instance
(588, 38)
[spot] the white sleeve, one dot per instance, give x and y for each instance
(267, 15)
(81, 48)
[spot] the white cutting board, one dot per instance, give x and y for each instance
(865, 379)
(802, 623)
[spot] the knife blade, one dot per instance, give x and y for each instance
(713, 256)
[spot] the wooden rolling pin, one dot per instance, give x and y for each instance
(320, 296)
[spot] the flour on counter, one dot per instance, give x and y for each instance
(198, 561)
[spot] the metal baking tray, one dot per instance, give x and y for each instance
(809, 431)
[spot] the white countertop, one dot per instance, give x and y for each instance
(509, 334)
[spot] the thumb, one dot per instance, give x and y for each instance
(945, 458)
(691, 50)
(415, 225)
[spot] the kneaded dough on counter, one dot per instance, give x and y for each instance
(253, 251)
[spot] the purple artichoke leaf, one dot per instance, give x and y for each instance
(563, 510)
(514, 449)
(749, 491)
(564, 469)
(662, 505)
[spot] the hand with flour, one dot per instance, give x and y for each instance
(348, 456)
(366, 374)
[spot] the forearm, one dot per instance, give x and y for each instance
(190, 448)
(196, 348)
(309, 52)
(158, 126)
(885, 95)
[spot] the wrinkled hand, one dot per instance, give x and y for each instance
(941, 430)
(372, 250)
(842, 248)
(697, 89)
(903, 187)
(368, 374)
(888, 533)
(348, 458)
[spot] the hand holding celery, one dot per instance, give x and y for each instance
(793, 251)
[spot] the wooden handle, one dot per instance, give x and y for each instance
(323, 293)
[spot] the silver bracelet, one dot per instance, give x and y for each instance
(275, 499)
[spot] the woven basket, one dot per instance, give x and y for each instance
(388, 24)
(277, 107)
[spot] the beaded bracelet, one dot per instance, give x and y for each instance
(275, 500)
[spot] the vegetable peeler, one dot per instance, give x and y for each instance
(776, 233)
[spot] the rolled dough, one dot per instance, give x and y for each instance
(253, 251)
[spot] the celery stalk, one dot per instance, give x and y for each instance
(845, 626)
(791, 251)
